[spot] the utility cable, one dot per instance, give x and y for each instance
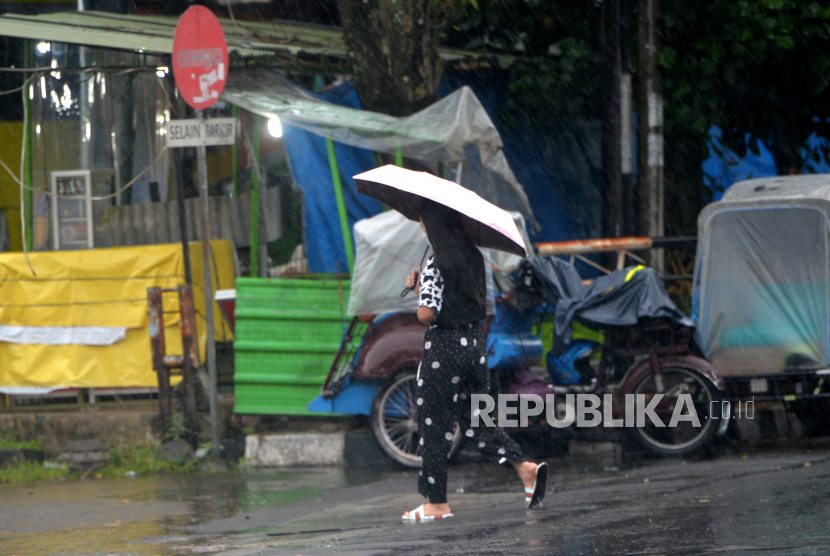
(10, 91)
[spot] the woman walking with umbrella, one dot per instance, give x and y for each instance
(452, 294)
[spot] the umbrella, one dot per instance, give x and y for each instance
(405, 190)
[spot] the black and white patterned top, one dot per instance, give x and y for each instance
(431, 288)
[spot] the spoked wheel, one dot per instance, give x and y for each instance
(684, 439)
(395, 420)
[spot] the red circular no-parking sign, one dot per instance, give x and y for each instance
(200, 57)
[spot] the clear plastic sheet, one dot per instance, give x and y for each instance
(455, 131)
(111, 123)
(762, 286)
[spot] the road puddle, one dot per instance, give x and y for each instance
(144, 516)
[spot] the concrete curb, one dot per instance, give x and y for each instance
(293, 449)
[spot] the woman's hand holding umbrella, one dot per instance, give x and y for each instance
(412, 279)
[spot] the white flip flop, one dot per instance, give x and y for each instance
(534, 496)
(417, 515)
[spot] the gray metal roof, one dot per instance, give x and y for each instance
(154, 34)
(807, 186)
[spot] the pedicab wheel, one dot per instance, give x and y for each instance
(395, 420)
(685, 438)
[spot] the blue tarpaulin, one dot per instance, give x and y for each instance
(558, 166)
(309, 161)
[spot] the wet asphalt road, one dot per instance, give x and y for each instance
(767, 502)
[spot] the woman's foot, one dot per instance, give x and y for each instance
(434, 510)
(527, 472)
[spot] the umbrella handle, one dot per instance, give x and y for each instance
(407, 290)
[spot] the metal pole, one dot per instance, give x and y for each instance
(28, 197)
(188, 274)
(341, 203)
(210, 352)
(190, 358)
(155, 312)
(235, 155)
(650, 126)
(611, 163)
(626, 125)
(255, 199)
(126, 142)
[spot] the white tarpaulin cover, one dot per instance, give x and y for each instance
(389, 247)
(454, 130)
(62, 335)
(762, 282)
(26, 391)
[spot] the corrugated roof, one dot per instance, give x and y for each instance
(154, 34)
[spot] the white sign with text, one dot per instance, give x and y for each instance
(193, 133)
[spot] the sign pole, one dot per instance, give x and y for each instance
(210, 352)
(200, 67)
(188, 274)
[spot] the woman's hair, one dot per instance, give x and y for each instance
(458, 260)
(445, 231)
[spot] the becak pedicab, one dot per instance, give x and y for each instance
(761, 295)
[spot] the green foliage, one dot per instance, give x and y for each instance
(12, 440)
(556, 74)
(177, 428)
(125, 457)
(523, 27)
(31, 472)
(550, 88)
(141, 460)
(760, 67)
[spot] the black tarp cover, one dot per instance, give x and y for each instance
(622, 298)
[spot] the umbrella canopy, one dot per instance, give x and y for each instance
(405, 190)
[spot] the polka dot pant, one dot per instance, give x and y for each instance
(454, 367)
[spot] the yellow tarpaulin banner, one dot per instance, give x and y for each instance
(107, 288)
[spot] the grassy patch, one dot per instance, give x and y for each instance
(12, 440)
(31, 472)
(141, 460)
